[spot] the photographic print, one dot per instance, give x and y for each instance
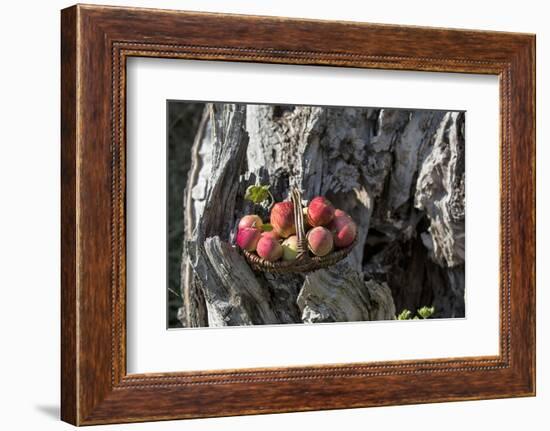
(288, 214)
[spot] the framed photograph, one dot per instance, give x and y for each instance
(264, 215)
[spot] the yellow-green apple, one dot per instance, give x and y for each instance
(290, 248)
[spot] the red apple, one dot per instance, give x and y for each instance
(290, 248)
(271, 234)
(319, 240)
(248, 237)
(282, 219)
(269, 249)
(320, 211)
(251, 220)
(344, 230)
(339, 213)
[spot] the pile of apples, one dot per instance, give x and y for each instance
(328, 228)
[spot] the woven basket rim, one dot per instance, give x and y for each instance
(309, 261)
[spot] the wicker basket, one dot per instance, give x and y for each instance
(304, 262)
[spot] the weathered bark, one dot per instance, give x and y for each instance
(374, 164)
(416, 240)
(440, 193)
(233, 295)
(183, 122)
(193, 313)
(340, 294)
(211, 196)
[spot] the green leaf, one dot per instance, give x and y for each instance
(404, 315)
(426, 312)
(266, 227)
(257, 194)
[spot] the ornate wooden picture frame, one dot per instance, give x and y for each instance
(96, 41)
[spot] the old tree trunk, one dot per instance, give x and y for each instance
(399, 174)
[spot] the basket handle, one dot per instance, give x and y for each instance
(296, 199)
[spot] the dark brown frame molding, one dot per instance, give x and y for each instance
(95, 43)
